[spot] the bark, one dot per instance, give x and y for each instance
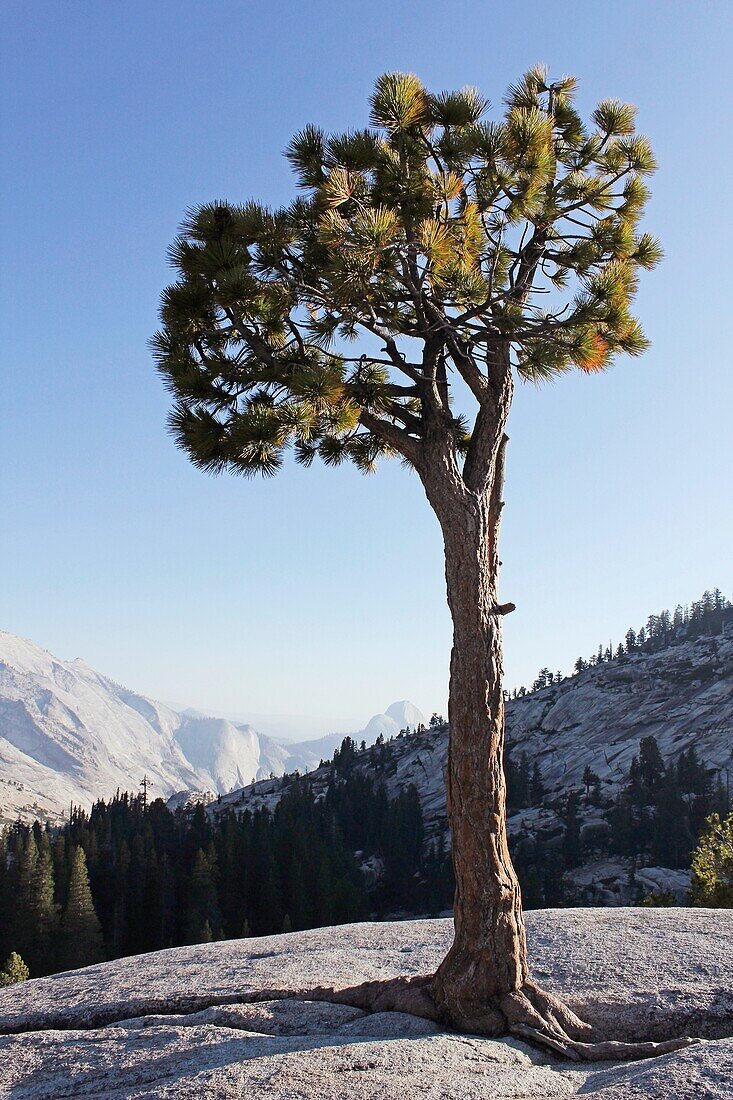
(483, 984)
(488, 958)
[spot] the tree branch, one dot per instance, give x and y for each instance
(396, 438)
(482, 460)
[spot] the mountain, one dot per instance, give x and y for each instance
(227, 756)
(307, 755)
(69, 734)
(681, 694)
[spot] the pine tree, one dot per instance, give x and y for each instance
(80, 934)
(266, 912)
(436, 236)
(202, 905)
(671, 838)
(60, 869)
(651, 764)
(712, 865)
(22, 886)
(571, 844)
(5, 896)
(119, 874)
(43, 912)
(536, 786)
(589, 779)
(14, 970)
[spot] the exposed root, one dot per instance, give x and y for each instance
(530, 1013)
(411, 995)
(604, 1051)
(536, 1008)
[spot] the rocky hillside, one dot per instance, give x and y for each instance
(234, 1019)
(69, 734)
(681, 695)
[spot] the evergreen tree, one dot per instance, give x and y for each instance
(22, 886)
(519, 797)
(712, 865)
(596, 797)
(438, 235)
(80, 934)
(120, 877)
(571, 845)
(345, 757)
(536, 786)
(43, 913)
(589, 779)
(671, 839)
(60, 869)
(651, 764)
(266, 914)
(5, 896)
(202, 910)
(14, 970)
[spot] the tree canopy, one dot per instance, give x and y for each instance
(434, 246)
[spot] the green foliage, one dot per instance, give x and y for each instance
(486, 245)
(43, 914)
(80, 940)
(157, 879)
(24, 872)
(28, 911)
(662, 807)
(653, 819)
(14, 970)
(203, 919)
(658, 899)
(154, 879)
(712, 865)
(709, 615)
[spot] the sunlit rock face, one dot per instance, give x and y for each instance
(71, 735)
(197, 1021)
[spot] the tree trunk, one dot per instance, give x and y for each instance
(488, 957)
(483, 984)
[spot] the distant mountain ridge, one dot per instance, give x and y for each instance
(306, 755)
(69, 734)
(682, 695)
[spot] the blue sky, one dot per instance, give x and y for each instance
(322, 592)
